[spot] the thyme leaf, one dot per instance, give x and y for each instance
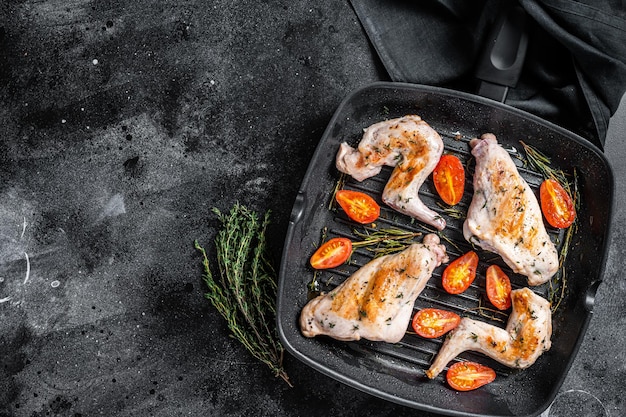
(244, 290)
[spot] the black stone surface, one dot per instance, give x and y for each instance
(122, 124)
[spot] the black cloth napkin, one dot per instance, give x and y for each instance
(574, 74)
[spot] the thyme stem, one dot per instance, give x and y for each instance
(385, 241)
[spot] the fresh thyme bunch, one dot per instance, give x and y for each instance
(245, 291)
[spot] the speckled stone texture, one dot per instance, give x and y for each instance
(122, 124)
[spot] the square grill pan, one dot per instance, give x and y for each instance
(396, 371)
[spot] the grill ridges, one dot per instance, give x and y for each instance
(473, 303)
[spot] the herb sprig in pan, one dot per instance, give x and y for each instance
(384, 241)
(244, 293)
(558, 283)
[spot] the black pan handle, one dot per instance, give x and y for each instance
(298, 207)
(501, 62)
(590, 295)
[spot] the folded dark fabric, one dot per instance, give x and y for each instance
(574, 74)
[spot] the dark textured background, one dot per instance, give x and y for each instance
(122, 124)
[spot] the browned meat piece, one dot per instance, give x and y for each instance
(411, 146)
(505, 217)
(526, 337)
(376, 302)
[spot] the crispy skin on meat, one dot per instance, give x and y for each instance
(411, 146)
(526, 337)
(505, 217)
(376, 302)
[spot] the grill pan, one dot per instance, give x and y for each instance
(395, 372)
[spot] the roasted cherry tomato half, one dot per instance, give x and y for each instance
(332, 253)
(498, 287)
(556, 204)
(449, 179)
(466, 376)
(433, 322)
(359, 206)
(460, 273)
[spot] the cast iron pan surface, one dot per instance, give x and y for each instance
(396, 371)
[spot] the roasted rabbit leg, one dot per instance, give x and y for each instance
(526, 337)
(376, 302)
(505, 217)
(411, 146)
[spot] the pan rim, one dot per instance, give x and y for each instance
(300, 201)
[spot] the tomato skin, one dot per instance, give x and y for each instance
(467, 376)
(498, 287)
(449, 179)
(359, 206)
(556, 204)
(433, 322)
(332, 253)
(460, 273)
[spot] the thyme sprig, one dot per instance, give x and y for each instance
(384, 241)
(314, 285)
(488, 313)
(542, 163)
(338, 186)
(558, 283)
(452, 211)
(244, 293)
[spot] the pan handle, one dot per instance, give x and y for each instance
(590, 295)
(298, 207)
(500, 64)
